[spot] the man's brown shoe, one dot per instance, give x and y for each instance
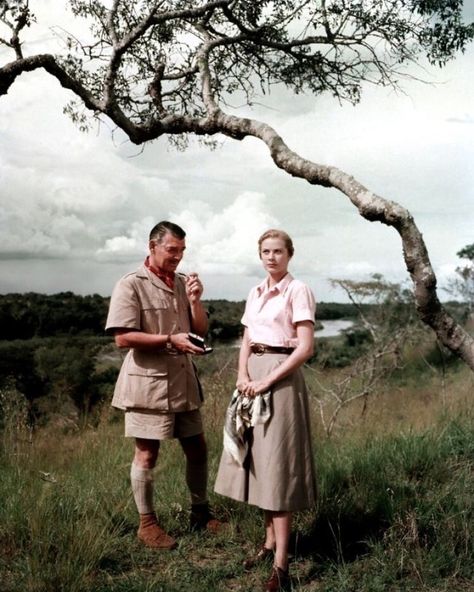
(278, 580)
(202, 519)
(152, 535)
(262, 555)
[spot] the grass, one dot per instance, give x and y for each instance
(395, 510)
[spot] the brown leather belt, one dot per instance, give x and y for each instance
(262, 348)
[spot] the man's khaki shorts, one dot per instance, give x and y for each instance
(145, 423)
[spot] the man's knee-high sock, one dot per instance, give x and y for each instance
(196, 479)
(142, 487)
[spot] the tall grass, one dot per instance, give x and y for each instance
(395, 509)
(405, 504)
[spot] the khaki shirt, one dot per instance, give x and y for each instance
(153, 379)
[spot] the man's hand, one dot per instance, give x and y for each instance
(194, 287)
(181, 343)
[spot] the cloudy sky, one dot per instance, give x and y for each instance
(76, 209)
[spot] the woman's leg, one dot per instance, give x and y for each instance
(282, 528)
(269, 531)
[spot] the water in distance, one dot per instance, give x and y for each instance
(333, 328)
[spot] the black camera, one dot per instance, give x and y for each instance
(199, 342)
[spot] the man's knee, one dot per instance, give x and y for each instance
(146, 452)
(195, 448)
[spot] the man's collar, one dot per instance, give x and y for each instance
(167, 278)
(280, 287)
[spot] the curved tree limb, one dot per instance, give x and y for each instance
(213, 120)
(372, 207)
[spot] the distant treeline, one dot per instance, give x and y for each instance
(54, 353)
(29, 315)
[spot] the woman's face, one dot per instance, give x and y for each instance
(274, 256)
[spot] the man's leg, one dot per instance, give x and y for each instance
(141, 476)
(141, 473)
(195, 450)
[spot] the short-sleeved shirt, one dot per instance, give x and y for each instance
(271, 314)
(153, 379)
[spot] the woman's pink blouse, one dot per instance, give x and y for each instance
(271, 314)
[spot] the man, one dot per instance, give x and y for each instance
(151, 312)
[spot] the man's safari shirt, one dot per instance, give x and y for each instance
(153, 379)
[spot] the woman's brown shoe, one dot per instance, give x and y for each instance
(261, 555)
(278, 580)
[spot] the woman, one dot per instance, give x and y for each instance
(278, 474)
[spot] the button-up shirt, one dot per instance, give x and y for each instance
(153, 379)
(271, 313)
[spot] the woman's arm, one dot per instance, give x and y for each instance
(304, 350)
(243, 375)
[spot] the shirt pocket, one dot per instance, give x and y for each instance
(153, 314)
(147, 386)
(156, 303)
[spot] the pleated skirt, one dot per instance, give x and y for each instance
(279, 472)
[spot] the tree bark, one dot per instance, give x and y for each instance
(370, 206)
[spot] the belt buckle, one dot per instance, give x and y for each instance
(259, 349)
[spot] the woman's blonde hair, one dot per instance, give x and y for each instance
(274, 233)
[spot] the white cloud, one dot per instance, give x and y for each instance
(122, 247)
(129, 247)
(63, 193)
(446, 274)
(356, 269)
(218, 242)
(84, 199)
(225, 242)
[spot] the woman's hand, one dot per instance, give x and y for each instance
(255, 387)
(242, 382)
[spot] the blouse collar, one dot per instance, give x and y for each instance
(281, 287)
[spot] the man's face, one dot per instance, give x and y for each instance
(168, 253)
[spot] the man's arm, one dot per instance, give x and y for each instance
(128, 338)
(194, 290)
(199, 320)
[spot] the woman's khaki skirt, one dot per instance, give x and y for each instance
(278, 473)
